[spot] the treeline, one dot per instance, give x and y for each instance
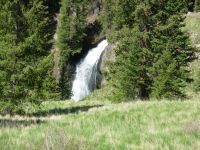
(27, 29)
(71, 31)
(153, 52)
(25, 53)
(26, 63)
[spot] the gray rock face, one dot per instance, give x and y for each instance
(93, 12)
(107, 56)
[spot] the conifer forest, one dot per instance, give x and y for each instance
(99, 74)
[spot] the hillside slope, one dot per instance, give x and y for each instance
(104, 126)
(193, 27)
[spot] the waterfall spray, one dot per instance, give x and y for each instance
(86, 73)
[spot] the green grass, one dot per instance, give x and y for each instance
(193, 27)
(105, 126)
(192, 23)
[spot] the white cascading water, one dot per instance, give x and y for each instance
(86, 73)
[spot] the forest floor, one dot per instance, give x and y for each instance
(94, 125)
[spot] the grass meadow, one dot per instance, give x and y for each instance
(105, 126)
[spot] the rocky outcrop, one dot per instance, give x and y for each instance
(103, 68)
(93, 37)
(93, 12)
(93, 28)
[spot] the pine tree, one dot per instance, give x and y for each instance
(197, 6)
(130, 70)
(25, 62)
(71, 32)
(134, 77)
(163, 51)
(12, 88)
(172, 52)
(107, 15)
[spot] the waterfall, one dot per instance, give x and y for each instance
(86, 73)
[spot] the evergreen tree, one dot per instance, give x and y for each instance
(159, 49)
(25, 59)
(71, 32)
(107, 15)
(118, 13)
(197, 6)
(172, 52)
(130, 70)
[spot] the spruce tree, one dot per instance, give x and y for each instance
(197, 6)
(129, 72)
(25, 59)
(107, 15)
(163, 51)
(173, 52)
(71, 32)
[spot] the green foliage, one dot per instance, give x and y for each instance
(25, 59)
(193, 27)
(71, 28)
(116, 14)
(197, 82)
(107, 14)
(197, 6)
(71, 32)
(133, 125)
(167, 81)
(173, 53)
(152, 50)
(130, 72)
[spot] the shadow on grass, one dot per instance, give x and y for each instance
(19, 123)
(63, 111)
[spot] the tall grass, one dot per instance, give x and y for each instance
(133, 125)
